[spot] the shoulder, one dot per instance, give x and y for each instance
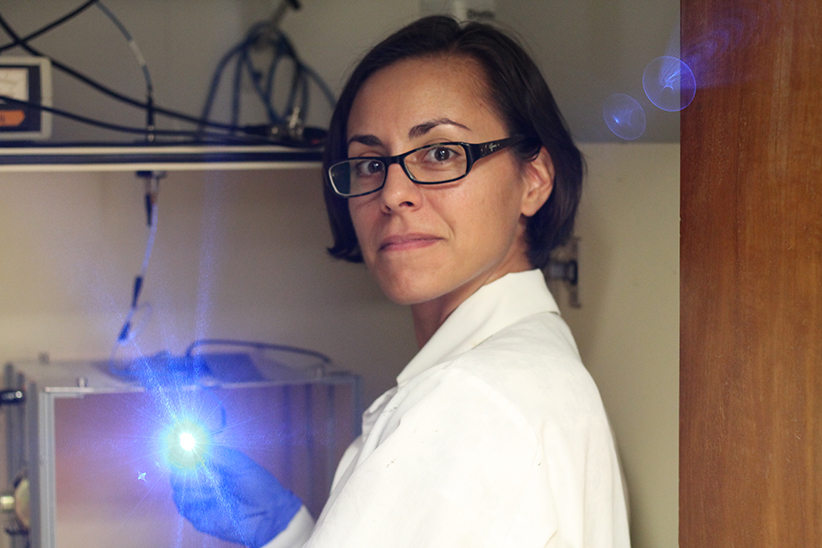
(528, 375)
(535, 364)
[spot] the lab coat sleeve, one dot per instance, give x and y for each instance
(452, 468)
(296, 533)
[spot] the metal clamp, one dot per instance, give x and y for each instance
(564, 266)
(12, 397)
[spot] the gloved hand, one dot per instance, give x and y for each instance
(233, 498)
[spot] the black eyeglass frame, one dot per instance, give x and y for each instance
(473, 153)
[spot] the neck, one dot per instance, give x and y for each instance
(428, 316)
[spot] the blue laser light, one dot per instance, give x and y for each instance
(187, 444)
(187, 441)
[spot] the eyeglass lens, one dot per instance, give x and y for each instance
(433, 164)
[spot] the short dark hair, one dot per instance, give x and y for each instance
(522, 100)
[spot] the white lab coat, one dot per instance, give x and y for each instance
(495, 435)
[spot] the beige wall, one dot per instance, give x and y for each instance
(628, 327)
(238, 254)
(241, 254)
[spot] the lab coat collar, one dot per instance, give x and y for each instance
(493, 307)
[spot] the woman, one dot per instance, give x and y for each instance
(451, 174)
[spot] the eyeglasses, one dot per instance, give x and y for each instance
(428, 165)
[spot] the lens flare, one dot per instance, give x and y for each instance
(187, 444)
(669, 83)
(187, 441)
(624, 116)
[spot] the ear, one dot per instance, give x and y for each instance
(538, 175)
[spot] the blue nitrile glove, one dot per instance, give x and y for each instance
(233, 498)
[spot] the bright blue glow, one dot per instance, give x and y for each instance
(624, 116)
(186, 444)
(187, 441)
(189, 418)
(669, 83)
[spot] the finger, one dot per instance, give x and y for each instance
(200, 489)
(230, 461)
(192, 498)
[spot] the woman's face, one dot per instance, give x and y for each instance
(437, 243)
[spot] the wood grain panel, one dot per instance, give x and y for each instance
(751, 276)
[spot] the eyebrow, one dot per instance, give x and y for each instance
(422, 129)
(417, 131)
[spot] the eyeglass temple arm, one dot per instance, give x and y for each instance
(484, 149)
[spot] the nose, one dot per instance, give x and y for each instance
(399, 191)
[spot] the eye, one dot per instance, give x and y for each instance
(442, 153)
(368, 167)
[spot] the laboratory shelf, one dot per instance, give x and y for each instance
(154, 157)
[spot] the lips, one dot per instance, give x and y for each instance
(402, 242)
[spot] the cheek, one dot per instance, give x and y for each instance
(362, 219)
(497, 205)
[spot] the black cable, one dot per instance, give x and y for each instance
(258, 345)
(329, 95)
(49, 27)
(304, 95)
(296, 106)
(273, 117)
(106, 90)
(68, 70)
(93, 122)
(246, 137)
(237, 83)
(149, 106)
(141, 61)
(194, 366)
(215, 83)
(152, 179)
(285, 49)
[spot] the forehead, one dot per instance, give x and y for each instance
(412, 91)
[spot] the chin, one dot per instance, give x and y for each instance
(405, 292)
(403, 296)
